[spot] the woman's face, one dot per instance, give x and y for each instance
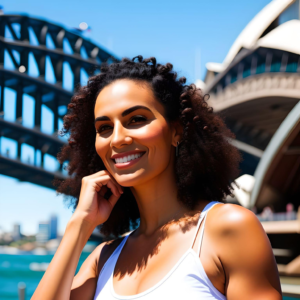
(128, 118)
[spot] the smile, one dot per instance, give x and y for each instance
(128, 160)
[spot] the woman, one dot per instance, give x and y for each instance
(145, 146)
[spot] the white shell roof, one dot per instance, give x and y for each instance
(249, 37)
(286, 37)
(252, 32)
(215, 67)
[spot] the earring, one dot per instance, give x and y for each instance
(177, 149)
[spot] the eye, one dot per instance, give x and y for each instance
(134, 120)
(138, 118)
(101, 128)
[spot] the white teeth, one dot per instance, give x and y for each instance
(128, 158)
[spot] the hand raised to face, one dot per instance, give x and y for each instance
(92, 205)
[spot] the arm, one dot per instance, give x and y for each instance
(85, 282)
(93, 209)
(247, 257)
(57, 280)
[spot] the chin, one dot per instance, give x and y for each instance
(130, 179)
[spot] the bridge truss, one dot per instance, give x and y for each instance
(43, 61)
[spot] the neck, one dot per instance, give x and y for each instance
(157, 202)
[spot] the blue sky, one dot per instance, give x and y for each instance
(187, 34)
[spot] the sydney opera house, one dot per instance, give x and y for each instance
(257, 90)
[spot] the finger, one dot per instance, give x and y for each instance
(98, 186)
(109, 182)
(113, 200)
(113, 188)
(105, 173)
(100, 173)
(106, 180)
(119, 187)
(103, 190)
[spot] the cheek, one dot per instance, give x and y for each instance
(101, 147)
(154, 136)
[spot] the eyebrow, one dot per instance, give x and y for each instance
(124, 113)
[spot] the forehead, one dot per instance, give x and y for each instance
(124, 93)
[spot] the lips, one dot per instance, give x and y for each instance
(119, 155)
(128, 163)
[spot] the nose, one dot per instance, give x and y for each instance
(120, 136)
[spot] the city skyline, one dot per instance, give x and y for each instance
(52, 231)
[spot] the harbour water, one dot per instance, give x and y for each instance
(27, 268)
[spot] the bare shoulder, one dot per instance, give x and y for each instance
(245, 252)
(233, 219)
(240, 238)
(239, 249)
(231, 224)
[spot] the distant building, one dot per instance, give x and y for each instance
(53, 227)
(43, 233)
(16, 232)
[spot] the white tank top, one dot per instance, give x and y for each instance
(186, 280)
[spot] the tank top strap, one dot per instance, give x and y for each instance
(202, 217)
(114, 256)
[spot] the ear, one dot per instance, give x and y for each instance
(177, 132)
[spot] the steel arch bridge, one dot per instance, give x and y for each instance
(43, 61)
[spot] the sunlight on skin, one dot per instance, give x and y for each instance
(152, 249)
(152, 177)
(150, 135)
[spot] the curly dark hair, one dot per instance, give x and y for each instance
(205, 167)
